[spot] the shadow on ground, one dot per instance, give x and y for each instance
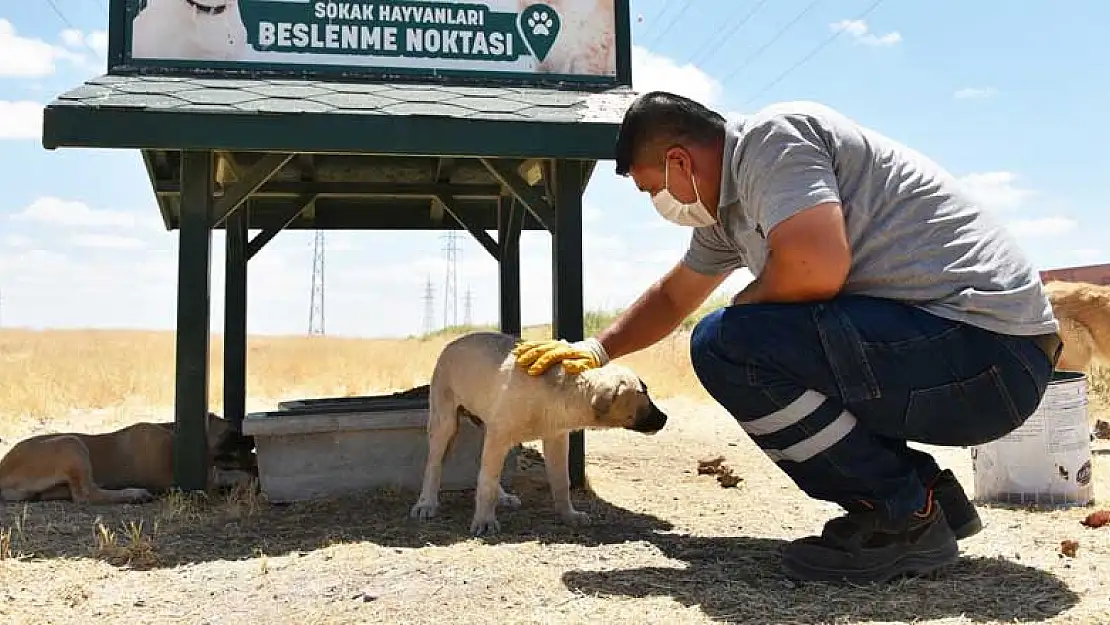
(730, 579)
(230, 528)
(738, 580)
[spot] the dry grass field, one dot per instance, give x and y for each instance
(667, 545)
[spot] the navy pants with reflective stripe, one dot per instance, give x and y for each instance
(832, 391)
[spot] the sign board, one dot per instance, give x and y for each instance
(540, 40)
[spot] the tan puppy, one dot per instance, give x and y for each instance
(476, 376)
(123, 466)
(1083, 311)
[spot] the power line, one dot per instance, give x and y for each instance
(710, 40)
(62, 17)
(713, 43)
(316, 305)
(658, 15)
(65, 20)
(671, 23)
(810, 55)
(773, 39)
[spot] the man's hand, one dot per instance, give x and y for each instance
(539, 356)
(653, 315)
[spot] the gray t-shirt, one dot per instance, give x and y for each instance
(915, 233)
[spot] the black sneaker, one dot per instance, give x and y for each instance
(958, 509)
(864, 547)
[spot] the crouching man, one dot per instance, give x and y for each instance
(888, 307)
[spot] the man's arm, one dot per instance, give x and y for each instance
(808, 258)
(795, 197)
(653, 316)
(660, 310)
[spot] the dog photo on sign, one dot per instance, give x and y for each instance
(201, 30)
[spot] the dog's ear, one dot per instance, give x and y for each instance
(603, 397)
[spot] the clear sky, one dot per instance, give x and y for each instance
(1013, 97)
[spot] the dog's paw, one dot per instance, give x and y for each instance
(137, 495)
(423, 510)
(574, 518)
(484, 527)
(508, 501)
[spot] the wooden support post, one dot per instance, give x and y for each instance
(194, 273)
(587, 173)
(510, 217)
(252, 179)
(235, 317)
(262, 238)
(479, 235)
(566, 273)
(531, 198)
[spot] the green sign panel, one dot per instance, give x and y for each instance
(571, 38)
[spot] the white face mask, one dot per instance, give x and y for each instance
(692, 215)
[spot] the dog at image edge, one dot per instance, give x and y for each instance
(1083, 310)
(476, 376)
(128, 465)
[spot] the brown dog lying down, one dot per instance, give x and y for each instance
(128, 465)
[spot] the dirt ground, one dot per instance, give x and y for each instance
(667, 545)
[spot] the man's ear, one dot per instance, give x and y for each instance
(682, 158)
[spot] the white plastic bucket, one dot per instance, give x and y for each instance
(1046, 461)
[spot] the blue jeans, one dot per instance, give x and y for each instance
(832, 391)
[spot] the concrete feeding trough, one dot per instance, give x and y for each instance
(315, 448)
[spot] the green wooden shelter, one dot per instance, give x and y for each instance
(357, 141)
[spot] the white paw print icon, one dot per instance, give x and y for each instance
(540, 23)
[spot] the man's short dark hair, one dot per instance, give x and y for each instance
(659, 119)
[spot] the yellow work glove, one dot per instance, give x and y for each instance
(538, 356)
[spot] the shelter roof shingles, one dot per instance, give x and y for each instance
(185, 96)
